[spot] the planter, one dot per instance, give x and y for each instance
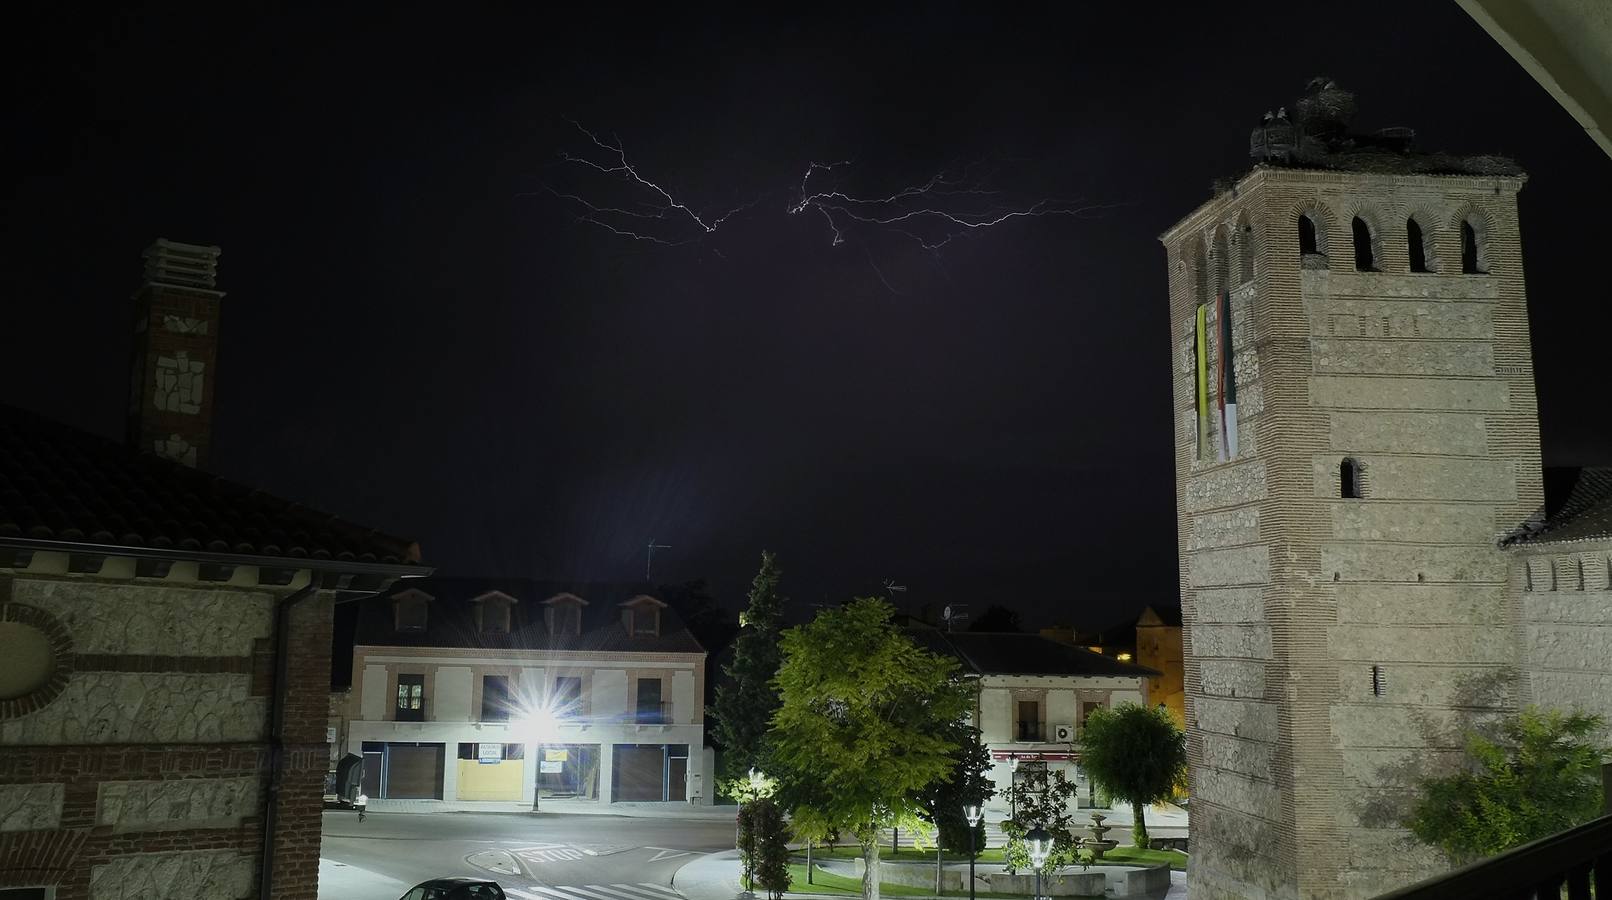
(1064, 884)
(1139, 882)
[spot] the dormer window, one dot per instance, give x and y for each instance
(564, 615)
(493, 612)
(409, 610)
(641, 616)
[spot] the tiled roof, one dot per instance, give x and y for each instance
(61, 484)
(993, 653)
(451, 622)
(1581, 512)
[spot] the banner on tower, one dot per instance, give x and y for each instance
(1200, 360)
(1227, 387)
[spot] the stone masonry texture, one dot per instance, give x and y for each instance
(147, 773)
(1301, 764)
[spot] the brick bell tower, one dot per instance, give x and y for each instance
(175, 352)
(1356, 426)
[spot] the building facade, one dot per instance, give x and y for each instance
(510, 691)
(1159, 647)
(1356, 435)
(1034, 695)
(166, 644)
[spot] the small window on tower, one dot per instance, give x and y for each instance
(1365, 253)
(1415, 243)
(1472, 261)
(1349, 479)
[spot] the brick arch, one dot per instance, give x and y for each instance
(1431, 222)
(1195, 257)
(1220, 257)
(1372, 216)
(1319, 214)
(1482, 224)
(1243, 234)
(61, 648)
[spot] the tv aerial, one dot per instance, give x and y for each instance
(953, 613)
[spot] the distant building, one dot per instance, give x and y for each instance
(1034, 695)
(166, 640)
(498, 689)
(1158, 647)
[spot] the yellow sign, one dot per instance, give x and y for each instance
(556, 755)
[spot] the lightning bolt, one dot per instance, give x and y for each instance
(947, 207)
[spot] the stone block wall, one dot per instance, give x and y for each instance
(1337, 646)
(1567, 625)
(146, 774)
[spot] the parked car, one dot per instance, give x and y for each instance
(458, 887)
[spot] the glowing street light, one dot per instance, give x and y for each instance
(973, 813)
(1040, 846)
(536, 728)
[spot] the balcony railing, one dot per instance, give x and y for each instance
(1574, 859)
(1031, 733)
(653, 714)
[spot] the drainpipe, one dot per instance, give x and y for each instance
(282, 665)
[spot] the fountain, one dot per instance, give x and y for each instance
(1097, 843)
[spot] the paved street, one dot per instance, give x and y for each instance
(545, 857)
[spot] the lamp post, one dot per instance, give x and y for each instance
(537, 727)
(972, 813)
(1040, 845)
(1013, 784)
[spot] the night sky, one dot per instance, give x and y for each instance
(420, 337)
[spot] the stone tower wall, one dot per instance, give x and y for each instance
(1293, 594)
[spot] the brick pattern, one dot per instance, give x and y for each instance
(65, 857)
(61, 646)
(148, 424)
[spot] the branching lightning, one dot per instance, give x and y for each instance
(933, 213)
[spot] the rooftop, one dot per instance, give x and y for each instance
(1578, 507)
(59, 484)
(451, 622)
(1011, 653)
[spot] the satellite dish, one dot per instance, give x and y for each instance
(946, 613)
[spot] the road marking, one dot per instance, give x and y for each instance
(594, 892)
(666, 854)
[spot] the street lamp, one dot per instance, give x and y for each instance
(1013, 785)
(973, 814)
(1040, 846)
(536, 728)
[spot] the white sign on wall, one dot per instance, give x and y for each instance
(551, 766)
(490, 754)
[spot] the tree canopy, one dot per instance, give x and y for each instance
(869, 714)
(1539, 776)
(1136, 754)
(745, 704)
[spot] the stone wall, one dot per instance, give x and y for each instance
(144, 773)
(1567, 626)
(1294, 596)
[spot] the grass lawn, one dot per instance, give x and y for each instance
(1121, 855)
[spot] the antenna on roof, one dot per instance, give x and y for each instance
(649, 558)
(953, 613)
(891, 588)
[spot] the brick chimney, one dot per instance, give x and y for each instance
(175, 352)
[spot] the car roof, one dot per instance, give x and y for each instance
(454, 881)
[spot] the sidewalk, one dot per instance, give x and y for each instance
(671, 810)
(339, 880)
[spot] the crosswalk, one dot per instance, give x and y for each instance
(641, 891)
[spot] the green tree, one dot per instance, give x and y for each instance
(871, 716)
(744, 706)
(968, 784)
(1135, 754)
(764, 846)
(1041, 798)
(1540, 776)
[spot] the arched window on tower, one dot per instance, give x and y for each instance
(1365, 253)
(1472, 255)
(1349, 479)
(1245, 249)
(1308, 245)
(1222, 258)
(1416, 243)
